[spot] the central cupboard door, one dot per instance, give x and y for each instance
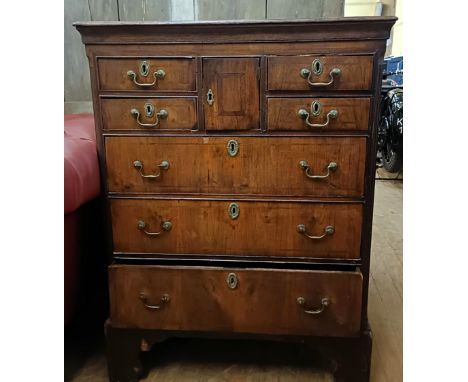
(231, 88)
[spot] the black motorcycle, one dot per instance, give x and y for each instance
(390, 131)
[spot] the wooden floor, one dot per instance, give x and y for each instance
(247, 361)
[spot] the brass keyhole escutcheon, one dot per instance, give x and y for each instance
(149, 110)
(315, 108)
(232, 280)
(232, 147)
(144, 68)
(210, 97)
(234, 211)
(317, 67)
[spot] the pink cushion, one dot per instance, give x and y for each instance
(81, 161)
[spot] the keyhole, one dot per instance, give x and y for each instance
(317, 66)
(210, 97)
(234, 211)
(149, 109)
(232, 147)
(144, 68)
(232, 280)
(316, 107)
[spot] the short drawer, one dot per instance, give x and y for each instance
(319, 73)
(148, 114)
(237, 228)
(318, 303)
(316, 114)
(147, 74)
(283, 166)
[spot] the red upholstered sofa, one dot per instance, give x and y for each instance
(81, 209)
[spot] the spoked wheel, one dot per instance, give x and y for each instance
(392, 160)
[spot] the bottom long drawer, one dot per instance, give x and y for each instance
(269, 301)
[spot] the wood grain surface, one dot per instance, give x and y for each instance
(272, 192)
(182, 113)
(179, 74)
(284, 72)
(353, 113)
(264, 166)
(235, 88)
(250, 48)
(264, 301)
(197, 360)
(261, 229)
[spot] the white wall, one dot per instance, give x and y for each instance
(373, 8)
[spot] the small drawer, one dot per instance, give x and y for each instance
(269, 301)
(237, 228)
(147, 74)
(149, 114)
(319, 73)
(316, 114)
(279, 166)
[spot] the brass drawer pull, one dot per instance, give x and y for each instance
(304, 165)
(164, 165)
(166, 226)
(158, 75)
(307, 74)
(304, 114)
(325, 302)
(329, 230)
(162, 114)
(164, 300)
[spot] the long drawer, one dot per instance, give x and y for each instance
(324, 303)
(283, 166)
(243, 228)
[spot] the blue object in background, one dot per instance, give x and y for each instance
(393, 69)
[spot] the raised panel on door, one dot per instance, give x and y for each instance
(262, 166)
(330, 230)
(263, 300)
(231, 93)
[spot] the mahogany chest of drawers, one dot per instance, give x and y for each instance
(237, 160)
